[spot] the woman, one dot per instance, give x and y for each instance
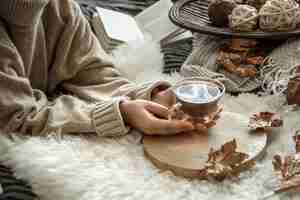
(56, 78)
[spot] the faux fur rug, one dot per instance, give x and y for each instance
(93, 168)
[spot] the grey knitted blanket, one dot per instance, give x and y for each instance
(273, 78)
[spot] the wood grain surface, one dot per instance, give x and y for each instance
(185, 154)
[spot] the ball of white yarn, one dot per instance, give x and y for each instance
(279, 15)
(243, 18)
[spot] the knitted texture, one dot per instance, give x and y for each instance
(13, 11)
(53, 81)
(243, 18)
(273, 78)
(279, 15)
(283, 62)
(202, 62)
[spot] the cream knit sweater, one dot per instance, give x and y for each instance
(54, 75)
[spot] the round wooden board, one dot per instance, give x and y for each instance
(186, 154)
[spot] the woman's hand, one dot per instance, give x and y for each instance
(151, 118)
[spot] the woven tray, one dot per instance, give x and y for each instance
(192, 15)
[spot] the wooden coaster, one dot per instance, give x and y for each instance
(185, 154)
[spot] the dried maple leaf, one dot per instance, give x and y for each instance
(297, 141)
(258, 60)
(229, 147)
(264, 120)
(277, 162)
(241, 57)
(249, 71)
(225, 61)
(209, 120)
(236, 58)
(202, 124)
(225, 162)
(233, 63)
(287, 168)
(293, 91)
(289, 184)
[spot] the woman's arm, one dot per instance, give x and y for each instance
(90, 79)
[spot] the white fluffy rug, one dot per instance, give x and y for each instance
(91, 168)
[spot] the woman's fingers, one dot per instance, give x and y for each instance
(168, 127)
(201, 127)
(151, 118)
(164, 126)
(158, 110)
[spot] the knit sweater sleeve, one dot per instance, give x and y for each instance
(28, 111)
(83, 70)
(90, 72)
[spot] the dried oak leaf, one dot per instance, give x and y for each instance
(264, 120)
